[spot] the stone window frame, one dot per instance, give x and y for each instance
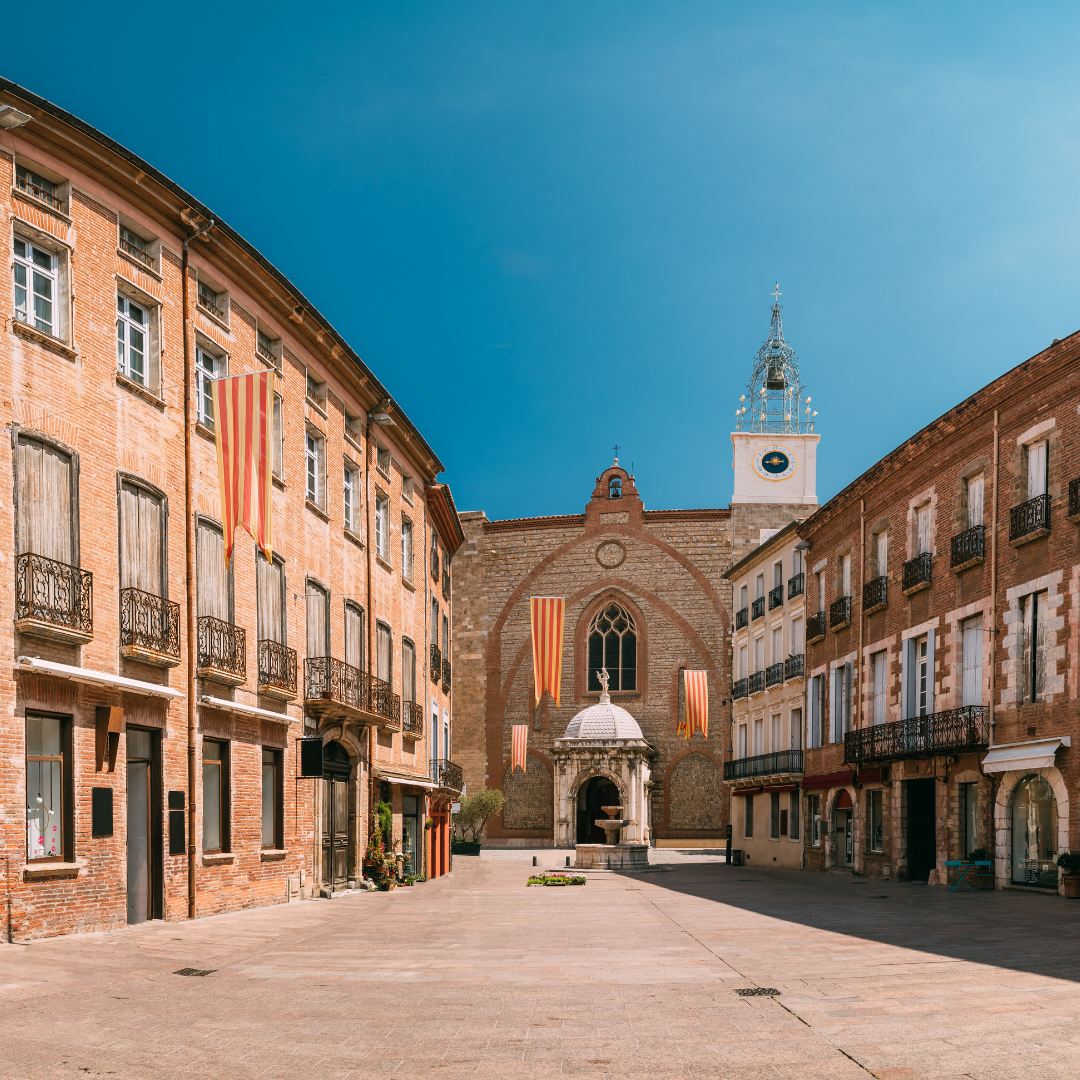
(843, 551)
(63, 303)
(873, 571)
(1045, 431)
(582, 694)
(1054, 687)
(929, 495)
(960, 507)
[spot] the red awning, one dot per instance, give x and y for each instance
(843, 800)
(868, 776)
(836, 779)
(781, 787)
(747, 790)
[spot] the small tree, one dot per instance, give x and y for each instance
(476, 808)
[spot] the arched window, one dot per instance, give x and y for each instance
(1034, 839)
(615, 488)
(613, 645)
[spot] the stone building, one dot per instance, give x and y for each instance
(153, 697)
(941, 643)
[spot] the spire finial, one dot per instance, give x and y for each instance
(776, 293)
(616, 449)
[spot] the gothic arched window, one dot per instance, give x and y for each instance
(613, 645)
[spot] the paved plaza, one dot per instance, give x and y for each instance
(477, 975)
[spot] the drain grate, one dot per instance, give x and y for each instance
(194, 971)
(758, 991)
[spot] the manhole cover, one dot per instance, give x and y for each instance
(194, 971)
(758, 991)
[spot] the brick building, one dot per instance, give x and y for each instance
(941, 643)
(154, 698)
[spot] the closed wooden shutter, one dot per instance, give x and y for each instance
(882, 553)
(354, 636)
(44, 501)
(316, 621)
(973, 646)
(269, 588)
(140, 540)
(213, 586)
(922, 529)
(383, 643)
(975, 501)
(1036, 463)
(408, 671)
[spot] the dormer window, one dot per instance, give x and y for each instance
(615, 488)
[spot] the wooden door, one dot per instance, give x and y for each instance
(335, 832)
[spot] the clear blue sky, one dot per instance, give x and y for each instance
(550, 227)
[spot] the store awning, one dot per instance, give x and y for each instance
(33, 665)
(826, 780)
(770, 788)
(405, 781)
(1024, 756)
(243, 710)
(756, 789)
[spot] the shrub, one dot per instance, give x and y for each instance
(1070, 862)
(476, 808)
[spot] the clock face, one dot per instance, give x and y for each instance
(775, 462)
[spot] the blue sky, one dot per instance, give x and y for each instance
(553, 227)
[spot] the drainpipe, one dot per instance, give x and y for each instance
(370, 612)
(993, 584)
(189, 555)
(862, 613)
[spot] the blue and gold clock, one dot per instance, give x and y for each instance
(775, 462)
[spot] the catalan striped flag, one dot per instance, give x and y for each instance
(696, 687)
(519, 740)
(244, 432)
(546, 614)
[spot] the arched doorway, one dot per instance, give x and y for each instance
(337, 824)
(594, 793)
(1034, 834)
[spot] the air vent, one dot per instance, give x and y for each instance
(758, 991)
(194, 971)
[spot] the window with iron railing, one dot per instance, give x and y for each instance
(776, 597)
(266, 347)
(211, 301)
(875, 595)
(1030, 520)
(742, 617)
(968, 548)
(840, 613)
(795, 586)
(917, 572)
(793, 667)
(136, 247)
(757, 608)
(37, 187)
(815, 626)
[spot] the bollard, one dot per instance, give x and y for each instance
(567, 860)
(534, 860)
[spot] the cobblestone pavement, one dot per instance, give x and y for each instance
(477, 975)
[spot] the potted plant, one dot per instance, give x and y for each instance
(470, 820)
(1070, 863)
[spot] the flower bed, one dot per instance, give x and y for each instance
(557, 879)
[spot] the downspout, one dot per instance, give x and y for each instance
(370, 613)
(189, 556)
(862, 613)
(993, 584)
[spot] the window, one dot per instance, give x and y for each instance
(315, 468)
(142, 539)
(845, 575)
(316, 390)
(816, 702)
(268, 348)
(408, 670)
(214, 591)
(796, 563)
(382, 460)
(354, 636)
(134, 245)
(777, 574)
(973, 650)
(270, 598)
(318, 620)
(211, 301)
(407, 487)
(922, 529)
(795, 733)
(406, 549)
(742, 661)
(820, 580)
(879, 671)
(813, 818)
(874, 817)
(881, 552)
(759, 586)
(384, 645)
(974, 485)
(774, 816)
(759, 738)
(47, 502)
(969, 817)
(132, 322)
(841, 702)
(742, 740)
(776, 739)
(613, 645)
(279, 436)
(207, 368)
(923, 676)
(793, 815)
(435, 622)
(48, 789)
(1034, 647)
(37, 279)
(742, 597)
(350, 500)
(272, 799)
(1036, 469)
(215, 794)
(446, 636)
(748, 817)
(917, 678)
(38, 187)
(777, 645)
(434, 557)
(796, 637)
(759, 653)
(382, 526)
(354, 426)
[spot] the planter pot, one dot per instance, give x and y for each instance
(1072, 886)
(464, 847)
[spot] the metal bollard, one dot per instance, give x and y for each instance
(567, 860)
(534, 860)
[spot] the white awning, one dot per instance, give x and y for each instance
(34, 665)
(244, 710)
(407, 781)
(1024, 756)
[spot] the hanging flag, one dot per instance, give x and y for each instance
(244, 432)
(546, 615)
(518, 743)
(696, 686)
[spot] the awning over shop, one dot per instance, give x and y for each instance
(744, 791)
(405, 781)
(770, 788)
(1024, 756)
(836, 779)
(238, 707)
(36, 666)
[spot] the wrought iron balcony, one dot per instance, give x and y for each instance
(755, 684)
(53, 600)
(951, 731)
(757, 608)
(446, 587)
(917, 573)
(742, 617)
(968, 548)
(434, 565)
(446, 676)
(795, 586)
(875, 595)
(446, 774)
(738, 689)
(776, 597)
(222, 651)
(334, 690)
(1029, 520)
(384, 703)
(412, 719)
(793, 667)
(149, 628)
(277, 670)
(774, 674)
(815, 627)
(840, 613)
(1074, 500)
(786, 762)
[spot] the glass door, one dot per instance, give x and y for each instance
(409, 833)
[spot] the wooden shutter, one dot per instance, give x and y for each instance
(1042, 649)
(44, 501)
(269, 589)
(383, 644)
(922, 529)
(972, 686)
(140, 539)
(975, 501)
(213, 582)
(408, 671)
(882, 553)
(1036, 458)
(316, 621)
(354, 636)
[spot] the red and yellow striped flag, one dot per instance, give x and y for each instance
(244, 432)
(546, 615)
(519, 740)
(696, 686)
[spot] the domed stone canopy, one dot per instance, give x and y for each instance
(603, 721)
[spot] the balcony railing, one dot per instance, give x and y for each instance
(446, 774)
(222, 651)
(776, 597)
(149, 627)
(788, 762)
(774, 674)
(211, 307)
(968, 548)
(755, 684)
(951, 731)
(39, 193)
(757, 608)
(333, 688)
(434, 566)
(446, 587)
(137, 253)
(277, 669)
(875, 595)
(815, 627)
(1074, 500)
(1029, 520)
(412, 719)
(266, 353)
(53, 599)
(738, 689)
(742, 617)
(917, 573)
(794, 586)
(840, 613)
(793, 667)
(446, 676)
(436, 663)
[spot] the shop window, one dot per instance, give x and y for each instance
(215, 806)
(48, 789)
(969, 819)
(1034, 839)
(874, 817)
(793, 817)
(272, 799)
(813, 818)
